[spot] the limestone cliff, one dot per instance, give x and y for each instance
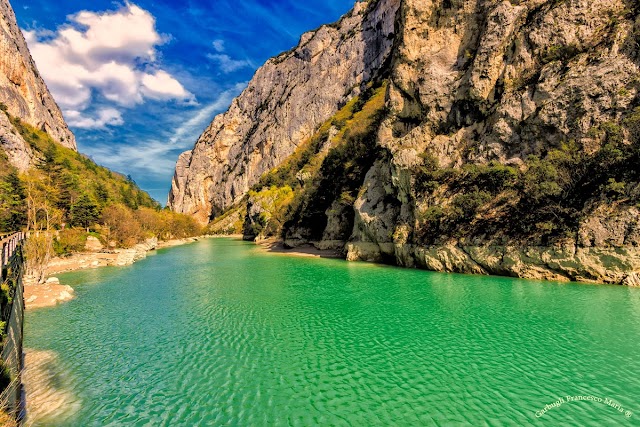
(24, 94)
(285, 102)
(507, 141)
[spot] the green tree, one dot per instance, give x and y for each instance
(68, 187)
(84, 212)
(13, 214)
(48, 162)
(102, 194)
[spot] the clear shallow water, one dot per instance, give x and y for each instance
(221, 333)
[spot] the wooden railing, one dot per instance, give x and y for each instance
(10, 246)
(12, 263)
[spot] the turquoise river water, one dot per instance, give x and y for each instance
(223, 333)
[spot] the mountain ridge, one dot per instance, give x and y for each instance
(262, 127)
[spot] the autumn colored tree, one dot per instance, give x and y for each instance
(122, 226)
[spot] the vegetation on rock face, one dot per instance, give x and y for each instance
(343, 170)
(542, 203)
(539, 202)
(265, 211)
(230, 222)
(330, 165)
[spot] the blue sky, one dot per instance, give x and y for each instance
(139, 81)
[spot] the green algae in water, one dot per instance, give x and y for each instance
(222, 333)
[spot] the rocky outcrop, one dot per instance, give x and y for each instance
(48, 294)
(17, 150)
(179, 181)
(569, 263)
(93, 244)
(497, 81)
(285, 102)
(24, 94)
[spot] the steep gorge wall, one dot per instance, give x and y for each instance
(500, 81)
(24, 94)
(475, 88)
(285, 102)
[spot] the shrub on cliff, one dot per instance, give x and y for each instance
(543, 202)
(342, 170)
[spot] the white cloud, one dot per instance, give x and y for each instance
(105, 117)
(218, 45)
(162, 85)
(157, 158)
(228, 64)
(112, 54)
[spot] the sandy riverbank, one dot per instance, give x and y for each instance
(118, 257)
(52, 293)
(46, 294)
(276, 246)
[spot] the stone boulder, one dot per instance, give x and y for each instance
(93, 244)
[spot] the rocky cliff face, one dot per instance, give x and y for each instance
(499, 82)
(508, 142)
(24, 94)
(289, 97)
